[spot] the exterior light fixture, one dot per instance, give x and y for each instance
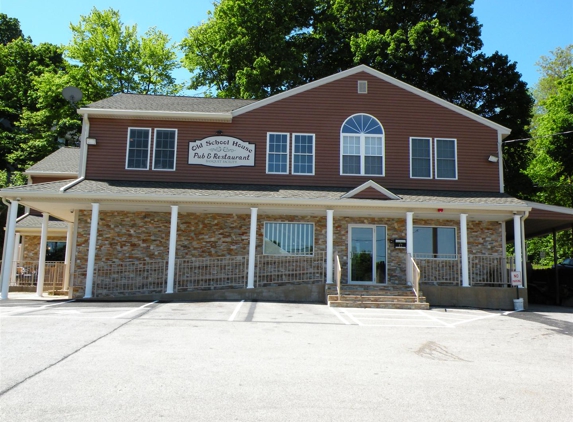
(91, 141)
(493, 159)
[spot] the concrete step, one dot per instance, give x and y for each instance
(364, 298)
(379, 305)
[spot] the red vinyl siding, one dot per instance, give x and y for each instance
(320, 111)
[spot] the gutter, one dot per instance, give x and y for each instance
(174, 115)
(248, 202)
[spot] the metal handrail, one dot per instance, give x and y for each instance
(337, 273)
(414, 277)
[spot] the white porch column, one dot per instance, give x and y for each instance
(16, 257)
(42, 260)
(464, 247)
(409, 244)
(67, 259)
(92, 251)
(252, 249)
(172, 249)
(9, 252)
(524, 254)
(517, 241)
(329, 245)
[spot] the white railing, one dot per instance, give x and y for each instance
(440, 269)
(287, 269)
(25, 274)
(130, 277)
(491, 270)
(414, 274)
(210, 273)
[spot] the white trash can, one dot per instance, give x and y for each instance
(518, 304)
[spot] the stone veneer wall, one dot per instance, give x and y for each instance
(144, 236)
(31, 246)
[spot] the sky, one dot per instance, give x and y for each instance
(524, 30)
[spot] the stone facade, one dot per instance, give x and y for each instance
(144, 236)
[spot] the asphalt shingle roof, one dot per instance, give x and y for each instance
(35, 222)
(64, 160)
(166, 103)
(197, 190)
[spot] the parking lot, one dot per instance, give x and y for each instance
(247, 361)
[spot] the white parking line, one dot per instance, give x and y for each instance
(236, 311)
(349, 315)
(133, 310)
(33, 308)
(476, 319)
(428, 315)
(338, 315)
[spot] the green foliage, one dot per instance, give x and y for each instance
(9, 29)
(552, 166)
(22, 65)
(112, 58)
(540, 249)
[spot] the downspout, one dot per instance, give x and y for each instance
(83, 155)
(500, 161)
(524, 248)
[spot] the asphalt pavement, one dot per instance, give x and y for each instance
(255, 361)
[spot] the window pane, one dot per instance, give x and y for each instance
(350, 164)
(138, 148)
(445, 159)
(446, 241)
(351, 145)
(164, 157)
(373, 165)
(303, 156)
(289, 239)
(277, 157)
(421, 157)
(423, 241)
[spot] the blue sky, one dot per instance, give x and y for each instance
(524, 30)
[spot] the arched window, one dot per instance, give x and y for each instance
(362, 146)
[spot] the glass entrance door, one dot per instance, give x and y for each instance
(367, 259)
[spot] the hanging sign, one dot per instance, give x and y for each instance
(516, 279)
(221, 151)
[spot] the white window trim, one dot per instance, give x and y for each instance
(436, 157)
(457, 254)
(289, 222)
(363, 148)
(431, 161)
(363, 84)
(287, 153)
(313, 154)
(127, 150)
(155, 148)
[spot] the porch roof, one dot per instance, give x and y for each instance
(543, 219)
(165, 190)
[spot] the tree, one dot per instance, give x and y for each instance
(253, 49)
(10, 29)
(111, 57)
(21, 63)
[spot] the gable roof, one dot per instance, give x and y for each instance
(63, 162)
(363, 68)
(163, 106)
(369, 186)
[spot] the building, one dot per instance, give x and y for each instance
(260, 198)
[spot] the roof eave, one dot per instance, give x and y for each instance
(144, 114)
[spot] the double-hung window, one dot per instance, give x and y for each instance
(289, 239)
(165, 148)
(138, 146)
(446, 167)
(435, 242)
(362, 146)
(437, 159)
(421, 158)
(303, 154)
(278, 147)
(277, 153)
